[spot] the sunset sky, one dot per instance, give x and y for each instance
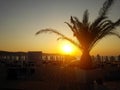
(21, 19)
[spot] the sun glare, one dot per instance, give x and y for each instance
(67, 48)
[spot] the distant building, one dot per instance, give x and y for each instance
(12, 56)
(34, 56)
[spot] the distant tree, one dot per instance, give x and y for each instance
(99, 58)
(118, 57)
(106, 59)
(89, 34)
(112, 58)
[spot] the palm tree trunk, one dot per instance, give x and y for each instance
(86, 61)
(86, 65)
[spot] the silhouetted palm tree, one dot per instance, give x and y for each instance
(88, 34)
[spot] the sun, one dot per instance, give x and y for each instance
(67, 48)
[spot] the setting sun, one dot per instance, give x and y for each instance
(67, 48)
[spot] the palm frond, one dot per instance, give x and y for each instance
(60, 34)
(72, 20)
(96, 23)
(72, 41)
(71, 28)
(114, 33)
(110, 26)
(104, 29)
(105, 23)
(50, 31)
(107, 32)
(106, 6)
(102, 14)
(79, 25)
(85, 17)
(117, 23)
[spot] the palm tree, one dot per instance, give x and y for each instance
(88, 34)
